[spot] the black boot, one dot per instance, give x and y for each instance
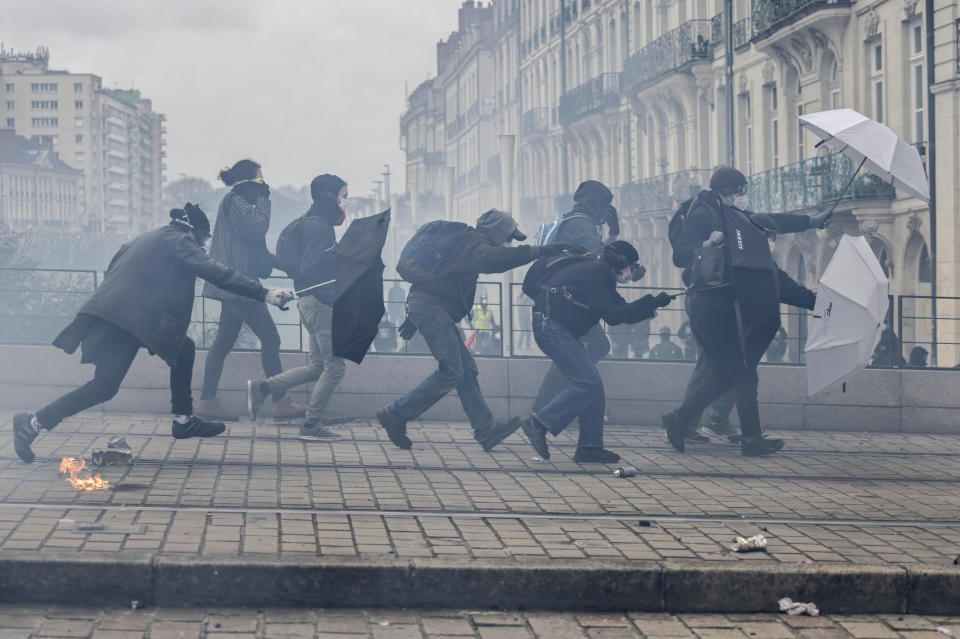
(537, 435)
(759, 446)
(196, 427)
(498, 432)
(23, 435)
(396, 429)
(595, 455)
(675, 431)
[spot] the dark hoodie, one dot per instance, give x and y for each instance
(593, 200)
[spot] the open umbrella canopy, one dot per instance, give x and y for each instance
(880, 150)
(852, 302)
(359, 306)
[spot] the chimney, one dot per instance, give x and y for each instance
(8, 139)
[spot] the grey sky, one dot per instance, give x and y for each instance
(301, 86)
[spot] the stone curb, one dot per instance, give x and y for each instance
(117, 580)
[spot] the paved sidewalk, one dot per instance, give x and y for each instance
(259, 492)
(21, 622)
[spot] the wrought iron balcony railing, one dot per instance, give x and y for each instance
(598, 93)
(454, 127)
(812, 183)
(742, 32)
(433, 159)
(536, 121)
(661, 193)
(770, 15)
(667, 54)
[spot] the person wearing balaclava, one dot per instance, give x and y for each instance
(316, 235)
(735, 320)
(145, 301)
(436, 306)
(571, 295)
(583, 227)
(239, 242)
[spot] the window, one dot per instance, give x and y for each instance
(773, 96)
(78, 105)
(43, 87)
(917, 86)
(876, 80)
(78, 87)
(9, 87)
(800, 149)
(78, 139)
(78, 123)
(44, 105)
(10, 104)
(775, 139)
(44, 123)
(10, 123)
(835, 99)
(79, 156)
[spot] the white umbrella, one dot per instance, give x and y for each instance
(873, 146)
(848, 317)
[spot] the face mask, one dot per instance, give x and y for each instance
(343, 203)
(624, 276)
(739, 201)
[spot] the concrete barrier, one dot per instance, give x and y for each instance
(879, 400)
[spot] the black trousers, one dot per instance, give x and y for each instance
(233, 315)
(725, 365)
(597, 345)
(111, 368)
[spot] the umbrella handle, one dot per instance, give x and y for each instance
(849, 182)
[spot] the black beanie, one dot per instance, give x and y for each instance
(190, 217)
(619, 255)
(727, 179)
(326, 185)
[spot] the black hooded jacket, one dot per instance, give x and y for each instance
(317, 238)
(453, 290)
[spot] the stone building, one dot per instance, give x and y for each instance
(37, 188)
(113, 136)
(634, 93)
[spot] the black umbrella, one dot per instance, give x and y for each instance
(358, 308)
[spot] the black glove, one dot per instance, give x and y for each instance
(662, 299)
(408, 329)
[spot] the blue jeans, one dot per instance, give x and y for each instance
(456, 371)
(583, 397)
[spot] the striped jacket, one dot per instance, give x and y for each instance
(239, 238)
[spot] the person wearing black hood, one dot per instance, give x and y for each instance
(571, 295)
(734, 316)
(145, 301)
(436, 306)
(311, 263)
(583, 227)
(239, 242)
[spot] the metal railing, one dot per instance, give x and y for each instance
(596, 94)
(36, 304)
(811, 183)
(662, 192)
(669, 53)
(770, 15)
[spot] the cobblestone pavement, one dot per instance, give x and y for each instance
(259, 490)
(26, 621)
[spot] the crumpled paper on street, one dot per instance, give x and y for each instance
(792, 607)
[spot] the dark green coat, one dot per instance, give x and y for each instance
(148, 290)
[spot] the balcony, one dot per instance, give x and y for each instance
(661, 193)
(770, 15)
(536, 121)
(596, 94)
(670, 53)
(742, 31)
(454, 127)
(812, 183)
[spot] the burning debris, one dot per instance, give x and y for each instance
(72, 467)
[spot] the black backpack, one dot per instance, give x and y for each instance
(675, 227)
(545, 266)
(290, 248)
(423, 253)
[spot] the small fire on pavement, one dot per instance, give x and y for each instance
(72, 466)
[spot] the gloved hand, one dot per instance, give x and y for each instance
(715, 239)
(662, 299)
(408, 329)
(279, 297)
(550, 250)
(637, 271)
(821, 220)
